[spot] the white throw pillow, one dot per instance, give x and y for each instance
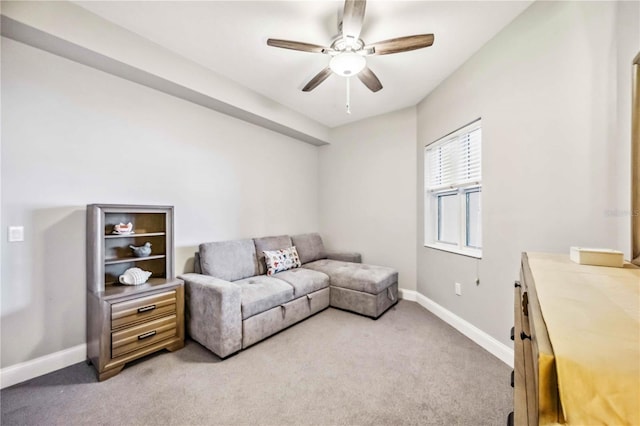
(281, 260)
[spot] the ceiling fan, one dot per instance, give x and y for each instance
(348, 50)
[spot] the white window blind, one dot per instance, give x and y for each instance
(455, 160)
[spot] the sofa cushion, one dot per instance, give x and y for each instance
(229, 260)
(261, 293)
(346, 256)
(269, 244)
(309, 246)
(196, 263)
(356, 276)
(304, 281)
(281, 260)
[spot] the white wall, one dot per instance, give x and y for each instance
(367, 196)
(628, 42)
(72, 135)
(546, 88)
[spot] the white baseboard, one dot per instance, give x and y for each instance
(409, 295)
(493, 346)
(23, 371)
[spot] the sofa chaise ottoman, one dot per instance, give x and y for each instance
(231, 302)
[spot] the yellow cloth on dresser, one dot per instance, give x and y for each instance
(592, 315)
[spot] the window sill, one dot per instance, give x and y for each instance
(475, 253)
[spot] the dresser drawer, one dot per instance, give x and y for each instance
(133, 311)
(133, 338)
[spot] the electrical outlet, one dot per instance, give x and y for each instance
(458, 289)
(16, 233)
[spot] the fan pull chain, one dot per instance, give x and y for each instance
(348, 96)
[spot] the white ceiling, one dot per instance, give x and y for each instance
(229, 37)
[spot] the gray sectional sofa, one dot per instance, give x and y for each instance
(231, 304)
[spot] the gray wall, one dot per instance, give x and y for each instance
(367, 195)
(72, 135)
(555, 148)
(553, 90)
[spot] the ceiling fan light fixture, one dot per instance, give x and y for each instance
(348, 50)
(347, 64)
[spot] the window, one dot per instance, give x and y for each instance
(453, 192)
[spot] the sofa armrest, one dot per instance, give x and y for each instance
(345, 257)
(214, 316)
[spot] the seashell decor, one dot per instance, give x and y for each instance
(134, 276)
(121, 228)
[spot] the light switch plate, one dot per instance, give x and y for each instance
(16, 233)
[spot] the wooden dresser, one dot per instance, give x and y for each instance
(576, 343)
(126, 322)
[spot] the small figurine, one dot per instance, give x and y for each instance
(134, 276)
(121, 228)
(142, 251)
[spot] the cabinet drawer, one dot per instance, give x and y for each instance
(132, 311)
(142, 335)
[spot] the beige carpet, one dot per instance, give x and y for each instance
(408, 367)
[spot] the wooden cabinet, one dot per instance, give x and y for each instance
(127, 322)
(576, 343)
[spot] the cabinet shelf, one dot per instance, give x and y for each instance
(132, 259)
(109, 256)
(116, 290)
(144, 234)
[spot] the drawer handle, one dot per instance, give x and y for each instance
(146, 309)
(517, 284)
(523, 336)
(147, 335)
(513, 330)
(512, 377)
